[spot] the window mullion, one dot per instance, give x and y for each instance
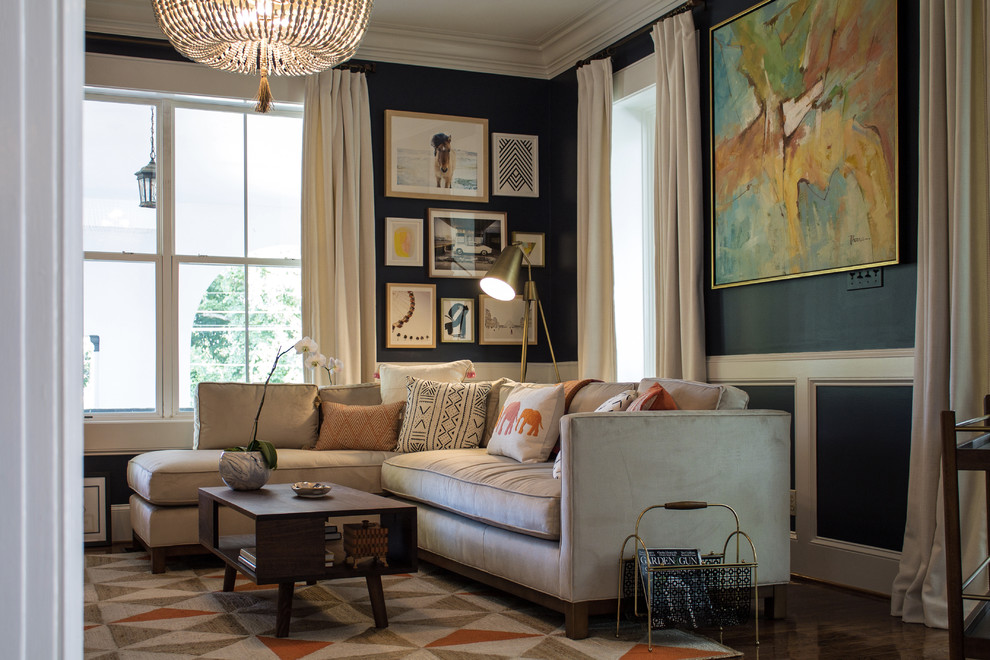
(247, 286)
(169, 291)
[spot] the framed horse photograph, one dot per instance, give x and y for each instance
(436, 156)
(464, 243)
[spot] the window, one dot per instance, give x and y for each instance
(633, 148)
(207, 285)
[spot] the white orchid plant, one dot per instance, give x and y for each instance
(313, 359)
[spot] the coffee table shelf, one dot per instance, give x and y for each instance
(290, 545)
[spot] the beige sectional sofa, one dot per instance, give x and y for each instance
(513, 525)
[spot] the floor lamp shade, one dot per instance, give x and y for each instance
(502, 280)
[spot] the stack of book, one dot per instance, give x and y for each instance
(249, 557)
(330, 534)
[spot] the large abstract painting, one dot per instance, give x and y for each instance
(804, 135)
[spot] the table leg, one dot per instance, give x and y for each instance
(229, 575)
(283, 611)
(377, 596)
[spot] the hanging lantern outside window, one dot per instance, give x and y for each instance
(147, 190)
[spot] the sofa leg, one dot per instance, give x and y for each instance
(157, 559)
(576, 620)
(775, 602)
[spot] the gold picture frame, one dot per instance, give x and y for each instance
(436, 156)
(457, 320)
(500, 321)
(804, 162)
(410, 316)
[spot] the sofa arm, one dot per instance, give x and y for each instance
(614, 465)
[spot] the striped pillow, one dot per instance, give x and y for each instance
(372, 428)
(443, 415)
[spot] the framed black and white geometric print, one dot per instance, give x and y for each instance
(515, 165)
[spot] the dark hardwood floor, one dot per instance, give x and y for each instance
(829, 622)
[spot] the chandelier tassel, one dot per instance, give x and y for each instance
(264, 94)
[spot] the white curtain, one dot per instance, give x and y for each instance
(679, 235)
(596, 319)
(338, 223)
(952, 366)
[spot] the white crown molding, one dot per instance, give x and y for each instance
(595, 31)
(556, 52)
(446, 51)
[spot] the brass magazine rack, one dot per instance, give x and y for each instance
(710, 591)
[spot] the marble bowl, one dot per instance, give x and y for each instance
(310, 488)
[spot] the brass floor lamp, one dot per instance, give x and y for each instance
(502, 283)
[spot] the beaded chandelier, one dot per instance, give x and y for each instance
(273, 37)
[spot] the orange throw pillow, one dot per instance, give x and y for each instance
(655, 398)
(372, 428)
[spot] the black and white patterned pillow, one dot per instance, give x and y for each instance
(443, 415)
(617, 403)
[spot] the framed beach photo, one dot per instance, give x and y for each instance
(436, 156)
(403, 241)
(464, 243)
(457, 320)
(533, 245)
(501, 321)
(410, 315)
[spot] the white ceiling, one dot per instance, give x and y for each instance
(533, 38)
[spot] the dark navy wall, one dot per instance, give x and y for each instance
(511, 105)
(799, 315)
(863, 453)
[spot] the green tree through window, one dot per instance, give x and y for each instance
(232, 341)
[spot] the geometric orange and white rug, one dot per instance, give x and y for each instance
(183, 613)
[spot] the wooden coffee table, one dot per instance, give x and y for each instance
(289, 540)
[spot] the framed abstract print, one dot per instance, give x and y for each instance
(804, 140)
(403, 241)
(457, 320)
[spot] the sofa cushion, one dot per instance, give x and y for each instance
(592, 395)
(692, 395)
(495, 490)
(443, 415)
(617, 403)
(655, 398)
(224, 415)
(393, 376)
(174, 476)
(363, 394)
(529, 424)
(375, 428)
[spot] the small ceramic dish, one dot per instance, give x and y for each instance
(310, 488)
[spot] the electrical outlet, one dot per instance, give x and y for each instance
(868, 278)
(793, 502)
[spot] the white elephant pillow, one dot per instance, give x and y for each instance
(529, 424)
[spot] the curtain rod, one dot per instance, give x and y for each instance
(357, 67)
(609, 50)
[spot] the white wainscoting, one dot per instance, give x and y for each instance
(863, 567)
